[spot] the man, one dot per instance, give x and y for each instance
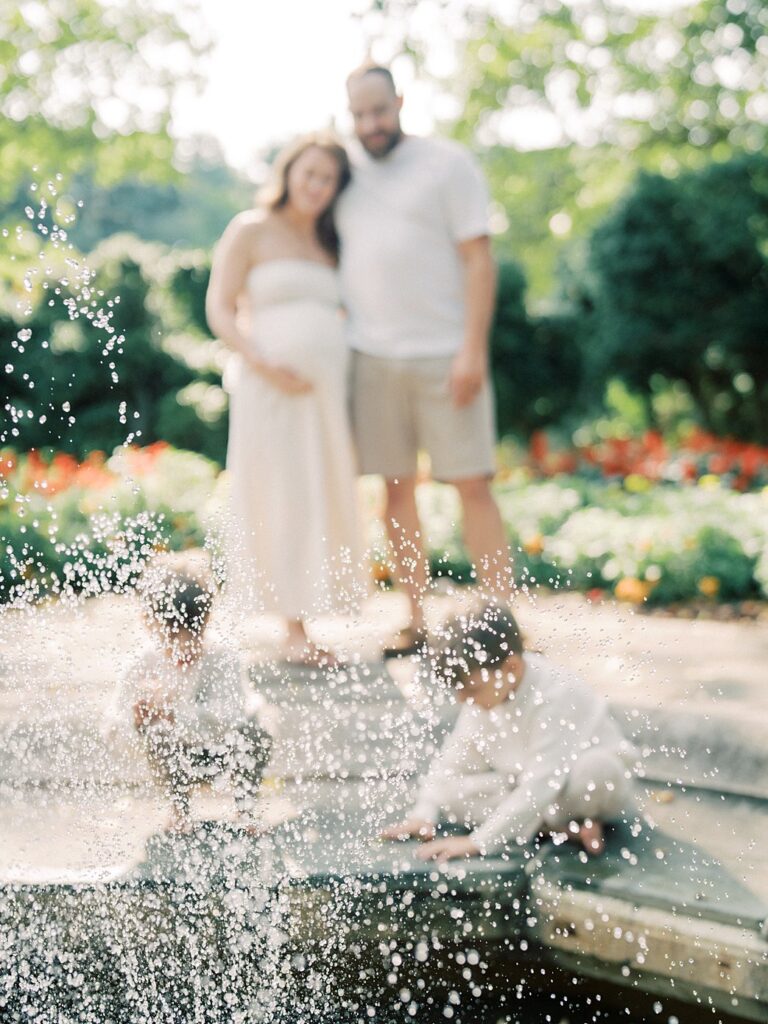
(418, 280)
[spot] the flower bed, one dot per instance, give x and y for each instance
(89, 526)
(663, 545)
(640, 462)
(69, 526)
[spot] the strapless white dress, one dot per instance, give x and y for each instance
(295, 537)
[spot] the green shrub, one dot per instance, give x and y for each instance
(120, 371)
(536, 362)
(680, 289)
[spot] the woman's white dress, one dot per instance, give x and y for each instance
(294, 537)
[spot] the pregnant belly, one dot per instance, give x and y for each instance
(306, 337)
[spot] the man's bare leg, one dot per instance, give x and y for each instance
(404, 532)
(485, 537)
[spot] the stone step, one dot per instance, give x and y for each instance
(347, 723)
(354, 723)
(718, 753)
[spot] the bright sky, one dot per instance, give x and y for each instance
(278, 69)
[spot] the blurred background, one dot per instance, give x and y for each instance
(625, 144)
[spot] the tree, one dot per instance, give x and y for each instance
(680, 272)
(536, 361)
(617, 89)
(131, 361)
(88, 84)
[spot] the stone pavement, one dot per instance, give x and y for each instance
(693, 694)
(76, 808)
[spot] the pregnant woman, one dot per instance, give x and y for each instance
(273, 299)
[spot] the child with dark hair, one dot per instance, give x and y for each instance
(534, 749)
(187, 702)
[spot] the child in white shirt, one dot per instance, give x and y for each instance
(534, 748)
(187, 702)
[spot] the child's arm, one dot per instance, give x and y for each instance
(221, 697)
(147, 712)
(518, 817)
(411, 828)
(458, 756)
(134, 687)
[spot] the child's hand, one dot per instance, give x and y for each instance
(147, 712)
(411, 828)
(449, 848)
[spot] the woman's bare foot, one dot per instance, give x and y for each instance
(590, 835)
(300, 650)
(309, 654)
(178, 823)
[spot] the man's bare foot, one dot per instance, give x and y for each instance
(408, 641)
(590, 834)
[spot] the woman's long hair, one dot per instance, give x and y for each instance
(275, 194)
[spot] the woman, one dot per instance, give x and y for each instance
(273, 298)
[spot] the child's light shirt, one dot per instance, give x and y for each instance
(530, 740)
(208, 697)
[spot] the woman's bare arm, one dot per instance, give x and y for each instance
(233, 258)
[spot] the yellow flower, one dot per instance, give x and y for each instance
(709, 480)
(709, 586)
(381, 571)
(636, 483)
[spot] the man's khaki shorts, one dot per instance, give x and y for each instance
(403, 406)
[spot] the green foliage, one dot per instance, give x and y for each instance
(129, 363)
(716, 555)
(189, 211)
(90, 528)
(687, 76)
(536, 362)
(80, 89)
(567, 101)
(680, 273)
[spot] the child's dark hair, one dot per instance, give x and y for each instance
(478, 640)
(175, 601)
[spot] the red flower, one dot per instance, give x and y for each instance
(538, 446)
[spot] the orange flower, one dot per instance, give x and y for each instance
(93, 473)
(35, 471)
(538, 446)
(534, 545)
(709, 586)
(380, 571)
(7, 464)
(633, 590)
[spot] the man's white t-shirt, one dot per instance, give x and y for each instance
(399, 222)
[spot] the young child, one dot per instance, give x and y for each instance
(187, 702)
(534, 748)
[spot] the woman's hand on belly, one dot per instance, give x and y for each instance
(281, 377)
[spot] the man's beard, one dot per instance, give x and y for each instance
(392, 139)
